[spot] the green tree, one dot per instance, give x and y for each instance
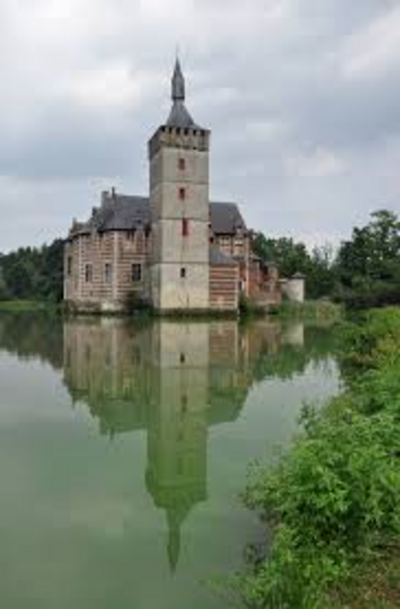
(33, 273)
(368, 265)
(293, 257)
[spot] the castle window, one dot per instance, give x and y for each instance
(185, 227)
(183, 273)
(136, 273)
(182, 164)
(108, 273)
(182, 193)
(88, 273)
(69, 266)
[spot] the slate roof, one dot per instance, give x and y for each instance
(122, 213)
(226, 218)
(129, 213)
(180, 117)
(218, 258)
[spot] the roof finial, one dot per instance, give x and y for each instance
(178, 81)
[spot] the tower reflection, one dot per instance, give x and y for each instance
(174, 380)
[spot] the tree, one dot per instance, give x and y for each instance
(293, 257)
(368, 265)
(33, 273)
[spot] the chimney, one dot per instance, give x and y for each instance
(105, 196)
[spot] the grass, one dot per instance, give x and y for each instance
(317, 310)
(25, 306)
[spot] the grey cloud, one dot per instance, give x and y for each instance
(268, 77)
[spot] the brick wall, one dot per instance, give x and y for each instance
(98, 268)
(224, 288)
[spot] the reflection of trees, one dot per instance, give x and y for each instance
(33, 335)
(291, 358)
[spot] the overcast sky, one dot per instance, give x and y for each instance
(302, 97)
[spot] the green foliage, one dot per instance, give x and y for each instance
(293, 257)
(336, 495)
(363, 273)
(320, 310)
(368, 266)
(33, 273)
(248, 308)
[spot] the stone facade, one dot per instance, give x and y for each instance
(174, 251)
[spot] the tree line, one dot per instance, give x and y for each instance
(363, 272)
(32, 273)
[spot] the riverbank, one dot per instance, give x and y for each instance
(26, 306)
(316, 310)
(332, 504)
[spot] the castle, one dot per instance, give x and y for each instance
(175, 250)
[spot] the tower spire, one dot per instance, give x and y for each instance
(179, 116)
(178, 82)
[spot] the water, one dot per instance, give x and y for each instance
(124, 447)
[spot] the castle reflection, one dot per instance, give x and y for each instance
(174, 380)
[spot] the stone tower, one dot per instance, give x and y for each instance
(179, 200)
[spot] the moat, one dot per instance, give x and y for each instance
(124, 447)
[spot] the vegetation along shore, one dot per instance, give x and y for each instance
(332, 503)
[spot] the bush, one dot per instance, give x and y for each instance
(336, 495)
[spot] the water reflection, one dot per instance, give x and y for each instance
(175, 380)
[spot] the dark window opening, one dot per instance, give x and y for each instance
(185, 227)
(69, 265)
(183, 273)
(182, 358)
(88, 273)
(108, 273)
(182, 164)
(136, 273)
(182, 194)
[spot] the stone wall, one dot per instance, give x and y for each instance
(179, 200)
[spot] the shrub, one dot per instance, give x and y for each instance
(336, 494)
